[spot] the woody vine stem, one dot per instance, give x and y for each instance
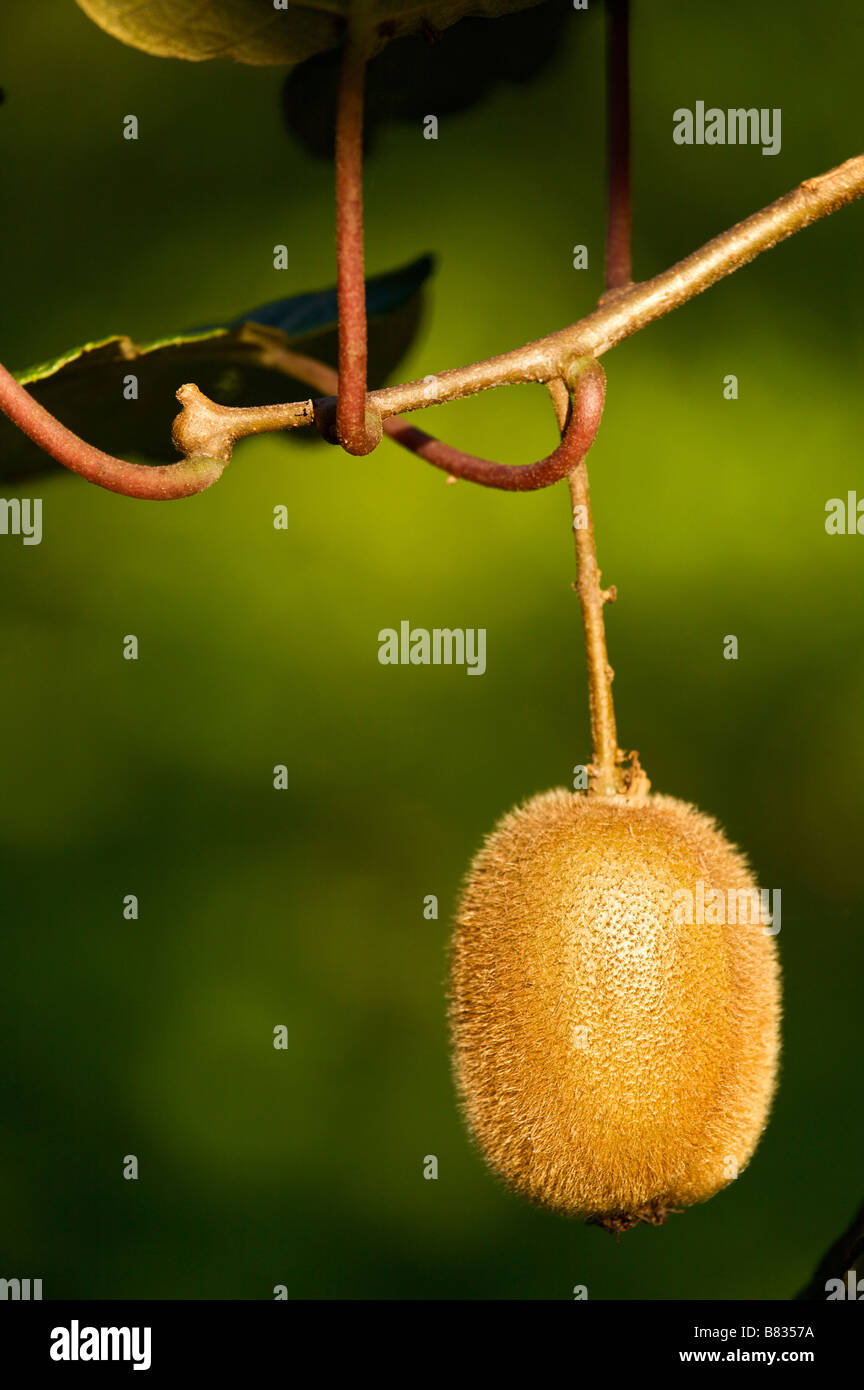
(205, 432)
(346, 413)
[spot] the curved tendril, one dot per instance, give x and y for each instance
(155, 483)
(586, 408)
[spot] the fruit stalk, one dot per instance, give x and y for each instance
(607, 777)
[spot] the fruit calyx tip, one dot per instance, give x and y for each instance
(628, 781)
(653, 1213)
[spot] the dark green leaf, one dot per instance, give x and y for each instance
(231, 363)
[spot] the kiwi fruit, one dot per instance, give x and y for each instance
(614, 1061)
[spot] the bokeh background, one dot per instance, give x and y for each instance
(258, 647)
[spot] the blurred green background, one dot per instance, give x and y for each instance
(258, 647)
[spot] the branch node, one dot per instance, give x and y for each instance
(203, 428)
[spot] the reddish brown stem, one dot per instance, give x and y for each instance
(586, 409)
(158, 483)
(356, 434)
(619, 316)
(619, 265)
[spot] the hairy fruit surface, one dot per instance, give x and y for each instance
(616, 1060)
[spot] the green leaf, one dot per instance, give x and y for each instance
(253, 31)
(234, 363)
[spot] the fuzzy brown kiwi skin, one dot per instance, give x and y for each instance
(566, 923)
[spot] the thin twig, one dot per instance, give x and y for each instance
(631, 309)
(582, 421)
(204, 426)
(635, 308)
